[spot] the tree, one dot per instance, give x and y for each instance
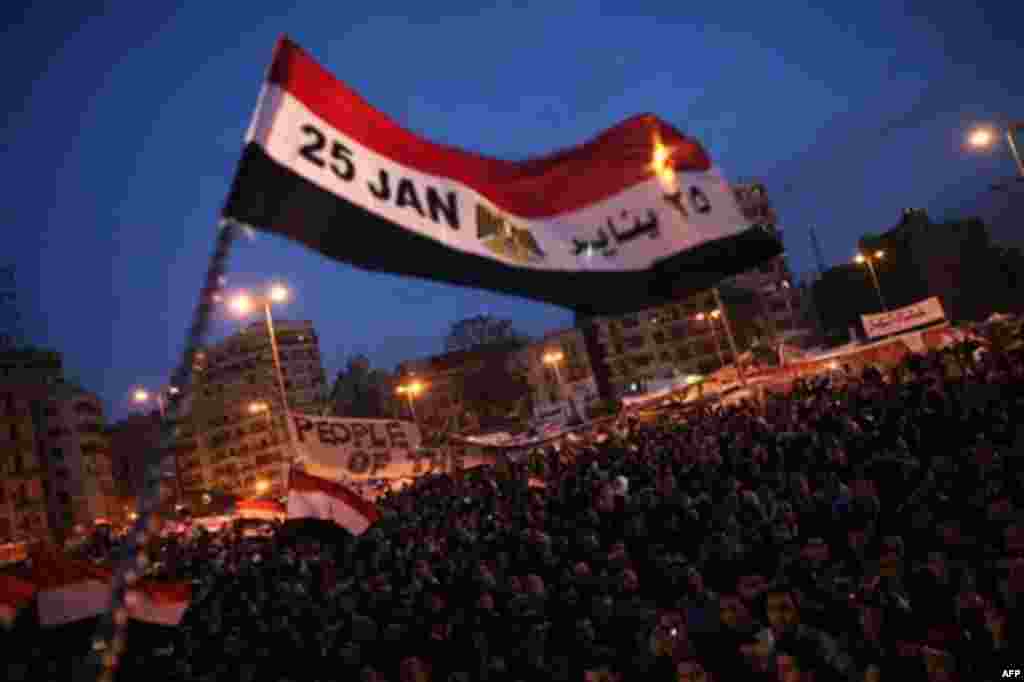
(492, 390)
(481, 330)
(360, 391)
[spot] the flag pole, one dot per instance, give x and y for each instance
(109, 644)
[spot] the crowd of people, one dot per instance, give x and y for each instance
(868, 529)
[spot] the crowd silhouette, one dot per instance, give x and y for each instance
(867, 528)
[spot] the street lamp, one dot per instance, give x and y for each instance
(554, 359)
(411, 391)
(141, 396)
(710, 319)
(262, 486)
(986, 136)
(243, 304)
(868, 259)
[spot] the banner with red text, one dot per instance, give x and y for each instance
(923, 312)
(636, 216)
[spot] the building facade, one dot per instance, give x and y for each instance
(225, 445)
(22, 472)
(76, 449)
(131, 439)
(630, 352)
(574, 379)
(466, 389)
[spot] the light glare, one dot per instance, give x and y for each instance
(241, 304)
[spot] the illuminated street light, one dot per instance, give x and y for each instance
(411, 391)
(981, 138)
(262, 486)
(863, 259)
(258, 408)
(554, 359)
(710, 319)
(985, 137)
(242, 304)
(278, 293)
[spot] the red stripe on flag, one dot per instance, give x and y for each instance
(568, 180)
(15, 592)
(300, 481)
(52, 571)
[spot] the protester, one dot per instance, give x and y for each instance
(857, 531)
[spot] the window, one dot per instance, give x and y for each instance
(64, 498)
(57, 453)
(15, 432)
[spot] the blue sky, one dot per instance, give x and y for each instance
(124, 123)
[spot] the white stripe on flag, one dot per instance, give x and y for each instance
(77, 601)
(314, 497)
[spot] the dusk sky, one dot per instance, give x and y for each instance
(123, 128)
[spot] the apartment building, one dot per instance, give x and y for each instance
(22, 473)
(572, 380)
(224, 444)
(76, 449)
(469, 388)
(673, 340)
(629, 352)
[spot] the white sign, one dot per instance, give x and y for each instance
(334, 447)
(353, 450)
(902, 319)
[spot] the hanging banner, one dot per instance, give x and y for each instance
(638, 215)
(900, 320)
(341, 448)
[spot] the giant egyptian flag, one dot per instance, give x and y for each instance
(636, 216)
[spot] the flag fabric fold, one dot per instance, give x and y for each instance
(314, 497)
(69, 590)
(15, 594)
(636, 216)
(159, 603)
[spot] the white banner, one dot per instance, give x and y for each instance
(354, 450)
(900, 320)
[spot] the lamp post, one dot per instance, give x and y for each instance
(260, 407)
(553, 359)
(141, 396)
(411, 391)
(740, 372)
(710, 319)
(985, 137)
(243, 304)
(868, 259)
